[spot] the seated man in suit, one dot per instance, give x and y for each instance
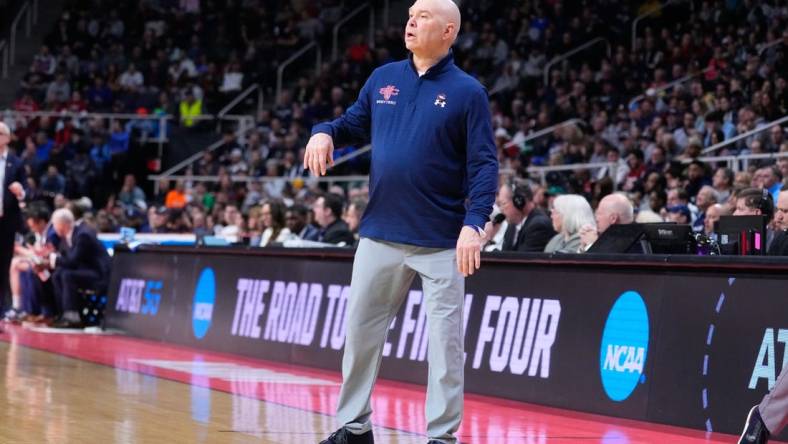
(82, 262)
(779, 246)
(296, 219)
(328, 214)
(529, 229)
(613, 209)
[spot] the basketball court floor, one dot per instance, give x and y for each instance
(80, 388)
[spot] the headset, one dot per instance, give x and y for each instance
(765, 203)
(520, 195)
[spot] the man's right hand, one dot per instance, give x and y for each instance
(319, 153)
(588, 235)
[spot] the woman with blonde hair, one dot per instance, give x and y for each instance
(570, 212)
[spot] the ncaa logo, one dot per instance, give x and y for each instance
(622, 355)
(204, 298)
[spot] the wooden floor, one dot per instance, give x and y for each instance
(57, 388)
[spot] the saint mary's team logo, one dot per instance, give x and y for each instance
(388, 92)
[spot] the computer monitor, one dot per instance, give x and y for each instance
(669, 238)
(620, 238)
(742, 235)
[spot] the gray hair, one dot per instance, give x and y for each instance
(575, 212)
(63, 215)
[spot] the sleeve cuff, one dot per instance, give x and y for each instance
(323, 128)
(474, 220)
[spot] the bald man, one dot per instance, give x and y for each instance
(432, 186)
(779, 246)
(713, 215)
(12, 176)
(612, 209)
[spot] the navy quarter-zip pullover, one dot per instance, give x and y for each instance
(434, 162)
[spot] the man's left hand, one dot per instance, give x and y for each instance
(17, 190)
(469, 247)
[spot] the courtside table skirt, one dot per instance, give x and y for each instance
(681, 340)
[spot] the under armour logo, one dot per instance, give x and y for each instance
(440, 100)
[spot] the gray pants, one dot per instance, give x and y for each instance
(382, 275)
(774, 407)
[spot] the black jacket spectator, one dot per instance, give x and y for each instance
(336, 233)
(85, 253)
(779, 245)
(533, 236)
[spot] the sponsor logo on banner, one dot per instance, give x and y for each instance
(767, 367)
(139, 296)
(204, 299)
(622, 355)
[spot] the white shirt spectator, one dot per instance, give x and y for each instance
(132, 79)
(284, 235)
(232, 81)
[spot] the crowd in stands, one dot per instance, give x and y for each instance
(104, 57)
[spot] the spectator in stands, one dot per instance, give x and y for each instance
(232, 82)
(779, 246)
(272, 219)
(770, 177)
(713, 214)
(82, 263)
(190, 107)
(775, 138)
(118, 141)
(679, 214)
(132, 79)
(680, 196)
(59, 91)
(238, 165)
(328, 213)
(297, 222)
(613, 209)
(131, 195)
(231, 226)
(723, 183)
(754, 202)
(353, 213)
(176, 197)
(100, 153)
(53, 182)
(158, 217)
(529, 229)
(706, 197)
(570, 212)
(696, 178)
(636, 170)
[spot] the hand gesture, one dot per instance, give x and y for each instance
(588, 236)
(469, 246)
(319, 153)
(17, 190)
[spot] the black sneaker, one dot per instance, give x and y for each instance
(755, 431)
(344, 436)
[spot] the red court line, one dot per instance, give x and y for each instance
(397, 405)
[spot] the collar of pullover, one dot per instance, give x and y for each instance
(435, 69)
